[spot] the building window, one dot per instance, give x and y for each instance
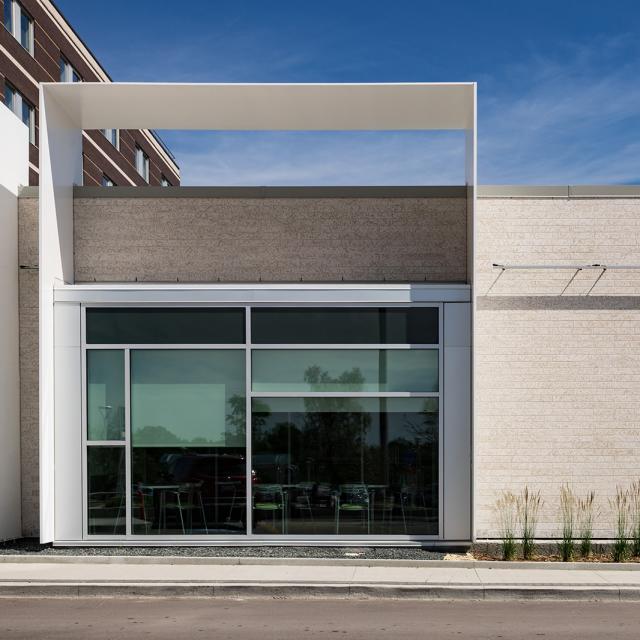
(142, 163)
(15, 101)
(113, 136)
(19, 23)
(316, 421)
(106, 181)
(67, 72)
(164, 182)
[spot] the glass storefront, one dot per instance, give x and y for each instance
(315, 422)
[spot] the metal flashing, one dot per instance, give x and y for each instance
(453, 191)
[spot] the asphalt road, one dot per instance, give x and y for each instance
(122, 619)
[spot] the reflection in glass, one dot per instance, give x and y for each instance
(188, 491)
(106, 490)
(417, 325)
(346, 465)
(188, 435)
(188, 398)
(105, 395)
(345, 370)
(165, 326)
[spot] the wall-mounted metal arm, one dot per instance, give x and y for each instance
(572, 267)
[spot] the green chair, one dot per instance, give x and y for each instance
(270, 498)
(353, 498)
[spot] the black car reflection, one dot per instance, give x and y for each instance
(189, 491)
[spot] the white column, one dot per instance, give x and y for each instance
(14, 172)
(60, 169)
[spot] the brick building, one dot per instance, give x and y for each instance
(37, 44)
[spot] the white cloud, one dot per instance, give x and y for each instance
(326, 158)
(566, 120)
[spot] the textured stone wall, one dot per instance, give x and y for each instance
(28, 282)
(557, 353)
(270, 239)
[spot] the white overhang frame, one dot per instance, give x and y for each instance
(68, 108)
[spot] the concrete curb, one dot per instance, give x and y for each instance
(309, 591)
(305, 562)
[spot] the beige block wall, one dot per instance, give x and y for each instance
(557, 367)
(28, 310)
(270, 239)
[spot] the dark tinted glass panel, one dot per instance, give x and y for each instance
(106, 490)
(194, 491)
(165, 326)
(418, 325)
(343, 466)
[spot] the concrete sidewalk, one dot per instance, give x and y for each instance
(233, 577)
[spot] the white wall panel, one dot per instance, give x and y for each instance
(68, 423)
(457, 422)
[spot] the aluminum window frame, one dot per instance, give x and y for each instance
(113, 136)
(15, 28)
(142, 163)
(68, 73)
(248, 536)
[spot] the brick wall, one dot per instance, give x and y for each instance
(557, 361)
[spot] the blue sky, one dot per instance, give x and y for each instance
(558, 83)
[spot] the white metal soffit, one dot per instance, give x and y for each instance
(275, 107)
(188, 293)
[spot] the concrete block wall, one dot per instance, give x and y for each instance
(28, 313)
(557, 361)
(312, 238)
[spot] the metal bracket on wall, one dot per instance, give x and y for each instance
(576, 268)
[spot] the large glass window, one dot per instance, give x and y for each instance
(345, 466)
(344, 370)
(328, 428)
(417, 325)
(188, 431)
(122, 325)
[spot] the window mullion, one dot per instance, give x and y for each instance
(127, 437)
(248, 428)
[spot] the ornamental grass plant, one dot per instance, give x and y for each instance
(506, 508)
(586, 513)
(634, 499)
(528, 505)
(621, 510)
(568, 516)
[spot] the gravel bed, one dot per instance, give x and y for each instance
(31, 545)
